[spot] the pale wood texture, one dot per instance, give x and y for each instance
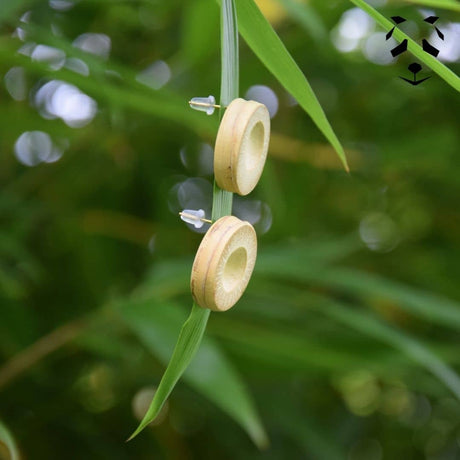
(241, 146)
(224, 263)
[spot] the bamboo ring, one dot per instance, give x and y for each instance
(223, 264)
(241, 146)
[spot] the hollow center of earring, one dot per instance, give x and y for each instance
(234, 269)
(255, 145)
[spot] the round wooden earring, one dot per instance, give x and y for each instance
(241, 146)
(224, 263)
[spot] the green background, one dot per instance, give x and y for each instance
(347, 337)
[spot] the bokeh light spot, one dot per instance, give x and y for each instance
(264, 95)
(15, 83)
(54, 57)
(35, 147)
(98, 44)
(198, 159)
(57, 99)
(156, 75)
(379, 232)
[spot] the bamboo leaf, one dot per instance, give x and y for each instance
(284, 348)
(445, 4)
(371, 326)
(436, 66)
(189, 340)
(263, 40)
(210, 372)
(429, 306)
(128, 93)
(426, 305)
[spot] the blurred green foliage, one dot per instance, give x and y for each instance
(347, 337)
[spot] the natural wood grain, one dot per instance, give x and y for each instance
(241, 146)
(223, 264)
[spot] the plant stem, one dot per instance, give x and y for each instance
(221, 199)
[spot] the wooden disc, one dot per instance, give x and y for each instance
(241, 146)
(224, 263)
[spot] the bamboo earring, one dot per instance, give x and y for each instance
(227, 254)
(223, 264)
(241, 146)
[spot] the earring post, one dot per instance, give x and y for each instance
(204, 104)
(193, 217)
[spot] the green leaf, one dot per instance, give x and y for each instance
(285, 348)
(7, 439)
(445, 4)
(263, 40)
(130, 95)
(371, 326)
(426, 305)
(431, 307)
(189, 340)
(429, 60)
(210, 372)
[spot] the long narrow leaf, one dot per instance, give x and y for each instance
(263, 40)
(285, 349)
(402, 341)
(429, 306)
(189, 340)
(429, 60)
(210, 372)
(452, 5)
(426, 305)
(157, 103)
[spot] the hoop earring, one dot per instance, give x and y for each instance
(223, 264)
(241, 146)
